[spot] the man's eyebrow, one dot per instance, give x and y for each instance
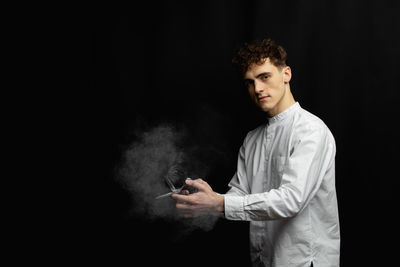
(262, 74)
(259, 75)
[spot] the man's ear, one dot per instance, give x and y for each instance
(287, 74)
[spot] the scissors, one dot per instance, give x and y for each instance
(173, 189)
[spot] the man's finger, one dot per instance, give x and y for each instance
(184, 206)
(202, 181)
(183, 198)
(185, 192)
(187, 215)
(197, 185)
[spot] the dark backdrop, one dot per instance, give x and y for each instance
(171, 62)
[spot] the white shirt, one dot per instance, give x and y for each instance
(285, 187)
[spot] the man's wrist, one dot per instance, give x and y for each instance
(221, 203)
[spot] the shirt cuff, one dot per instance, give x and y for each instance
(234, 208)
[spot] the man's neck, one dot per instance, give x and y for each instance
(286, 102)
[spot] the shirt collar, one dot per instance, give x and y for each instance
(286, 113)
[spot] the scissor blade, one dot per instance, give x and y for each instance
(170, 184)
(175, 191)
(165, 195)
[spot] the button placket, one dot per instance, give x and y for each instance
(268, 146)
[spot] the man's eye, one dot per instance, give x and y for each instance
(264, 77)
(248, 83)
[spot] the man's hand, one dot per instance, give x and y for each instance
(204, 201)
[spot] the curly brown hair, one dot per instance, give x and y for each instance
(256, 52)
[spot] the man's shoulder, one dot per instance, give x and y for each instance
(308, 123)
(255, 133)
(257, 130)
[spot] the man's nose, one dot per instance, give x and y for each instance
(258, 87)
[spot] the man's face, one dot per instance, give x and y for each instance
(268, 86)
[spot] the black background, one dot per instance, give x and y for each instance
(170, 62)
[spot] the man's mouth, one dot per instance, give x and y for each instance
(263, 98)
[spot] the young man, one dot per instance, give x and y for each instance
(285, 179)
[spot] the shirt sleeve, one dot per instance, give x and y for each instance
(239, 184)
(302, 176)
(238, 188)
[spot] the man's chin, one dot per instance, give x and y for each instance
(264, 108)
